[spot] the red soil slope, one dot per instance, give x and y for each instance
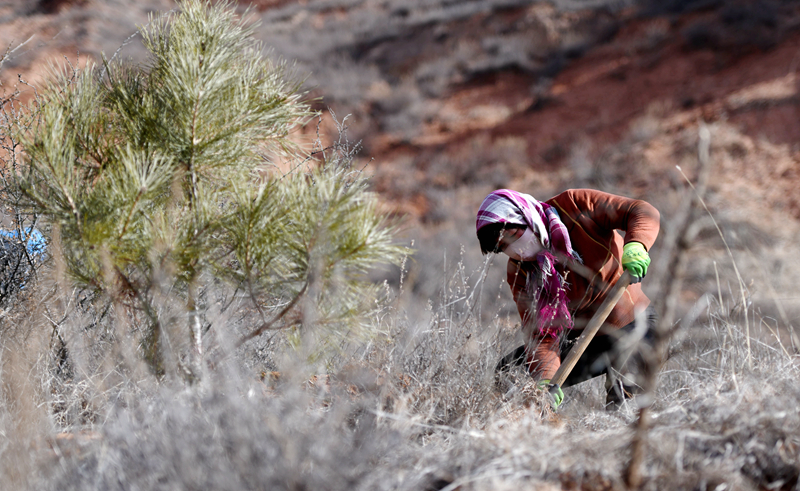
(645, 76)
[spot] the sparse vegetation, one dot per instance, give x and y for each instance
(281, 393)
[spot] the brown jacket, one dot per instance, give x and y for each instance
(592, 219)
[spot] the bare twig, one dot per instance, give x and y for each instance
(666, 310)
(268, 325)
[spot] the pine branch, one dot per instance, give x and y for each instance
(268, 325)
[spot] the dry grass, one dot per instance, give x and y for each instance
(418, 408)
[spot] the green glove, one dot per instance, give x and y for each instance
(554, 391)
(635, 260)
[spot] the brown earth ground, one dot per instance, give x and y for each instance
(642, 81)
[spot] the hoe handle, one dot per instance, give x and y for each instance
(591, 329)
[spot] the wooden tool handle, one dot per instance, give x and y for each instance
(591, 329)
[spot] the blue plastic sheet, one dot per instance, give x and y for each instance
(36, 244)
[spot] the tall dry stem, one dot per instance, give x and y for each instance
(666, 308)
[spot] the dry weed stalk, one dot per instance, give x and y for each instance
(667, 306)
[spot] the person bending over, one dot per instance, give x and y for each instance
(565, 255)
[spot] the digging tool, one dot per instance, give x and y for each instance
(589, 331)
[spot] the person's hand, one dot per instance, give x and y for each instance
(554, 391)
(635, 260)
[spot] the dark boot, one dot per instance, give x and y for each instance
(617, 392)
(511, 360)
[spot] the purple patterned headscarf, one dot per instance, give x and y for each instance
(507, 206)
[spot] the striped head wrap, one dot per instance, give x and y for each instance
(550, 291)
